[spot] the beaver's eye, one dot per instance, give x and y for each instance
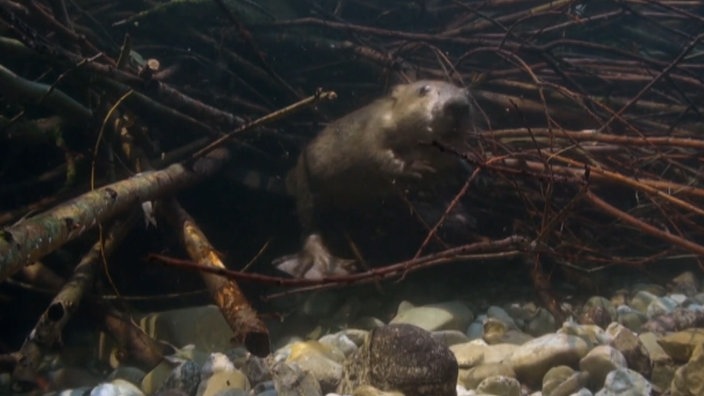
(424, 90)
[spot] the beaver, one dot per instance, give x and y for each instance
(369, 154)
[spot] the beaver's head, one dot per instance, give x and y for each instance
(432, 110)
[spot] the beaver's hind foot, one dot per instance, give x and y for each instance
(314, 261)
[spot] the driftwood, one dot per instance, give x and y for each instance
(588, 122)
(47, 332)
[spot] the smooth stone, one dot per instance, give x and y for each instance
(563, 381)
(204, 327)
(679, 318)
(593, 335)
(699, 298)
(628, 343)
(554, 377)
(290, 380)
(462, 391)
(469, 354)
(632, 319)
(689, 379)
(533, 359)
(216, 363)
(652, 288)
(625, 382)
(339, 341)
(500, 385)
(477, 352)
(185, 377)
(681, 344)
(322, 361)
(128, 373)
(572, 385)
(599, 362)
(238, 355)
(641, 300)
(268, 392)
(498, 353)
(264, 388)
(499, 313)
(678, 298)
(256, 369)
(598, 311)
(357, 335)
(472, 377)
(663, 368)
(476, 330)
(449, 337)
(310, 348)
(661, 306)
(543, 322)
(82, 391)
(451, 315)
(494, 330)
(619, 297)
(368, 390)
(118, 387)
(520, 313)
(685, 283)
(233, 382)
(515, 337)
(653, 347)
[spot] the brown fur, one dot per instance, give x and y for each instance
(379, 148)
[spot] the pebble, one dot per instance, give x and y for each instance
(543, 322)
(563, 381)
(435, 349)
(117, 387)
(533, 359)
(685, 283)
(641, 300)
(500, 385)
(625, 382)
(451, 315)
(689, 379)
(450, 337)
(597, 311)
(322, 361)
(633, 350)
(501, 315)
(233, 382)
(660, 306)
(630, 318)
(599, 362)
(680, 345)
(472, 377)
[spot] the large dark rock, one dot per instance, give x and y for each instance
(404, 358)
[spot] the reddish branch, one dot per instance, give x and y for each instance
(645, 227)
(484, 250)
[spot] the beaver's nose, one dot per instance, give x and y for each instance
(458, 107)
